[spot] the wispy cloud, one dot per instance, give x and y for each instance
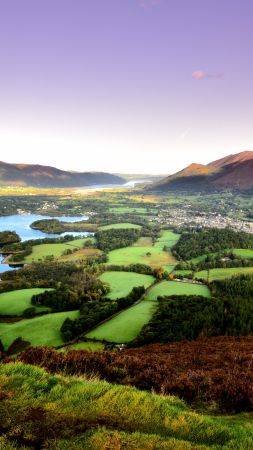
(184, 134)
(147, 4)
(199, 75)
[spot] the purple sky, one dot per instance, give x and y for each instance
(125, 85)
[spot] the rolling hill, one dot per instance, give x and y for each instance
(234, 172)
(47, 176)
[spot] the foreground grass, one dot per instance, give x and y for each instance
(41, 251)
(125, 326)
(55, 412)
(220, 274)
(167, 288)
(15, 302)
(43, 330)
(121, 283)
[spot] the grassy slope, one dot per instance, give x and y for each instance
(126, 325)
(43, 330)
(119, 226)
(43, 250)
(220, 274)
(177, 288)
(138, 253)
(122, 283)
(15, 302)
(90, 346)
(67, 413)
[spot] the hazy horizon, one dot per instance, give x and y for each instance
(141, 86)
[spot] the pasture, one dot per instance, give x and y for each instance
(116, 226)
(90, 346)
(126, 325)
(14, 303)
(143, 252)
(167, 288)
(42, 330)
(221, 274)
(41, 251)
(121, 283)
(243, 252)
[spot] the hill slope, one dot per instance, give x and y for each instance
(47, 176)
(234, 172)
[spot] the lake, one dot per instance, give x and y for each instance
(21, 224)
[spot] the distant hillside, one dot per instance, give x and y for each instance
(46, 176)
(234, 172)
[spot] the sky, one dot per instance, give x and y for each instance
(125, 86)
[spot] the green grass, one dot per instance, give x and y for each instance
(43, 250)
(121, 283)
(166, 288)
(182, 272)
(64, 413)
(15, 302)
(131, 210)
(90, 346)
(143, 252)
(119, 226)
(125, 326)
(168, 238)
(244, 253)
(43, 330)
(220, 274)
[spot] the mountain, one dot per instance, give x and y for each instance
(234, 172)
(47, 176)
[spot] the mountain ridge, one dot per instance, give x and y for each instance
(37, 175)
(233, 172)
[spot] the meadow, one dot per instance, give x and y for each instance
(14, 303)
(121, 283)
(166, 288)
(143, 252)
(42, 330)
(220, 274)
(63, 412)
(116, 226)
(43, 250)
(243, 252)
(126, 325)
(89, 345)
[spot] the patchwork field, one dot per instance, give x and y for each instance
(15, 302)
(220, 274)
(121, 283)
(43, 330)
(43, 250)
(120, 226)
(81, 254)
(143, 252)
(166, 288)
(125, 326)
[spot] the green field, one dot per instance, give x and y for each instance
(43, 250)
(143, 252)
(168, 238)
(166, 288)
(43, 330)
(185, 273)
(244, 253)
(125, 326)
(15, 302)
(121, 283)
(90, 346)
(220, 274)
(119, 226)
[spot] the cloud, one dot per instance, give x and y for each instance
(201, 75)
(185, 133)
(147, 4)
